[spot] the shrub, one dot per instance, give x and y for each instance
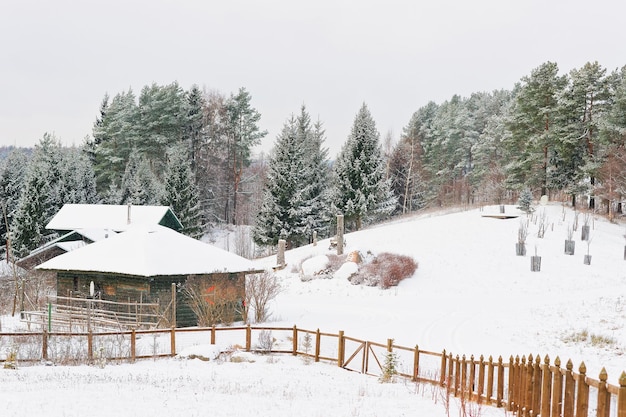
(385, 270)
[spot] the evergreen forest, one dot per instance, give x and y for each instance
(557, 134)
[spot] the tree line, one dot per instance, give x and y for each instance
(551, 134)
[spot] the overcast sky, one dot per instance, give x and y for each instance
(58, 58)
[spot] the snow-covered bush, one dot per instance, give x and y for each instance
(385, 270)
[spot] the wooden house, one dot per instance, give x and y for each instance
(142, 263)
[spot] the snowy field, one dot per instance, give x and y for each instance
(470, 295)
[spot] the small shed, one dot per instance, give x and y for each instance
(142, 263)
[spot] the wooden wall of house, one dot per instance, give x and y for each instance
(124, 288)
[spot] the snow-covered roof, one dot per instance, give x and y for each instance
(149, 250)
(108, 216)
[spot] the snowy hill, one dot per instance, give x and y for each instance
(472, 295)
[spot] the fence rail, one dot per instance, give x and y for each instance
(525, 386)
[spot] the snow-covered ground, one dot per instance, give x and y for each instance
(470, 295)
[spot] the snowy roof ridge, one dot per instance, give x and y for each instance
(107, 216)
(149, 250)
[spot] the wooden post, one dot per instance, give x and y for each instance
(213, 334)
(604, 397)
(463, 384)
(457, 375)
(90, 346)
(133, 344)
(449, 381)
(570, 389)
(314, 237)
(389, 345)
(490, 380)
(472, 377)
(294, 337)
(340, 349)
(416, 362)
(173, 341)
(44, 345)
(500, 392)
(248, 338)
(442, 374)
(481, 379)
(280, 255)
(340, 234)
(557, 389)
(513, 371)
(537, 383)
(621, 396)
(173, 304)
(318, 343)
(582, 394)
(546, 385)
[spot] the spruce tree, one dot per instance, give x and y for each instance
(39, 200)
(181, 194)
(283, 210)
(139, 185)
(360, 189)
(12, 176)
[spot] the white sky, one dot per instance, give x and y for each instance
(58, 58)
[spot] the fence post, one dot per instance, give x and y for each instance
(340, 349)
(416, 362)
(582, 394)
(442, 374)
(133, 344)
(318, 343)
(248, 338)
(546, 385)
(457, 375)
(604, 397)
(500, 387)
(537, 385)
(481, 379)
(294, 338)
(513, 371)
(570, 386)
(44, 345)
(472, 377)
(557, 389)
(173, 341)
(90, 346)
(621, 396)
(213, 334)
(490, 380)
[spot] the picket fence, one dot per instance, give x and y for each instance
(524, 386)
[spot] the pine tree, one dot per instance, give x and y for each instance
(39, 200)
(139, 185)
(115, 136)
(181, 193)
(78, 181)
(360, 190)
(12, 176)
(316, 175)
(530, 146)
(242, 133)
(295, 200)
(283, 214)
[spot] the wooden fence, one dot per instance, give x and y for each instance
(525, 386)
(72, 314)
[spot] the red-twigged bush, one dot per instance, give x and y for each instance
(385, 270)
